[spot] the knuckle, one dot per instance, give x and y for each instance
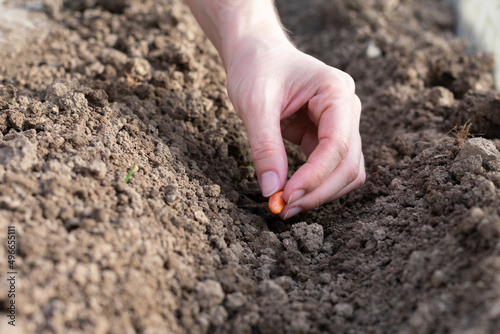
(352, 173)
(316, 177)
(318, 171)
(264, 149)
(360, 180)
(336, 80)
(346, 81)
(319, 201)
(358, 104)
(349, 83)
(342, 147)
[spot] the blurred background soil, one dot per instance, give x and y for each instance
(88, 88)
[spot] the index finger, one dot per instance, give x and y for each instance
(335, 124)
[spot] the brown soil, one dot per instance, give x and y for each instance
(188, 245)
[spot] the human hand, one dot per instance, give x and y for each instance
(280, 92)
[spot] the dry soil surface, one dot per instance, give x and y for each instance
(89, 88)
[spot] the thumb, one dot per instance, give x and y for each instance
(268, 153)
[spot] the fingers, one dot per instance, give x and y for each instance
(357, 183)
(349, 176)
(268, 151)
(336, 112)
(330, 174)
(326, 127)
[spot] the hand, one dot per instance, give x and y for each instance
(280, 92)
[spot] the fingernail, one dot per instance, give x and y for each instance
(269, 183)
(296, 195)
(292, 212)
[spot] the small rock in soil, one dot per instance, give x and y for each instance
(481, 147)
(209, 293)
(308, 236)
(18, 154)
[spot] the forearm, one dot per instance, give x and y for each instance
(232, 24)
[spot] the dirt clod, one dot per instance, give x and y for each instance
(188, 245)
(308, 236)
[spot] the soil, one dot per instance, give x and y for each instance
(90, 88)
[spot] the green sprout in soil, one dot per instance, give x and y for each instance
(130, 173)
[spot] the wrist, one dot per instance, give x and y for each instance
(255, 26)
(255, 43)
(236, 25)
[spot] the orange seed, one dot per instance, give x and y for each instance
(276, 202)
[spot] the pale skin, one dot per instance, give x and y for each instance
(280, 92)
